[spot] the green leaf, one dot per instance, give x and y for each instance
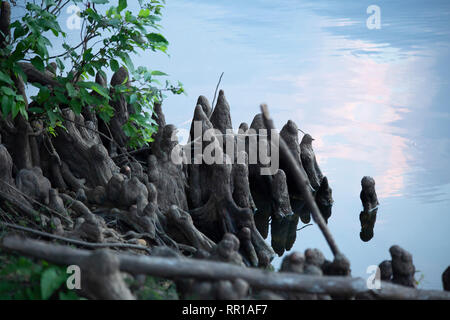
(76, 106)
(158, 73)
(71, 90)
(127, 60)
(36, 110)
(8, 91)
(6, 78)
(144, 13)
(60, 64)
(133, 98)
(38, 63)
(100, 90)
(68, 296)
(53, 117)
(114, 65)
(22, 110)
(122, 5)
(7, 103)
(51, 280)
(19, 31)
(15, 110)
(157, 38)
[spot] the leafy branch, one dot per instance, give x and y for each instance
(118, 33)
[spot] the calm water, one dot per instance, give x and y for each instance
(376, 101)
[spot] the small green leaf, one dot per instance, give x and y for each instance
(38, 63)
(6, 78)
(127, 60)
(133, 98)
(8, 91)
(122, 5)
(36, 110)
(7, 102)
(51, 280)
(76, 106)
(144, 13)
(100, 90)
(15, 110)
(22, 110)
(60, 64)
(68, 296)
(157, 38)
(114, 65)
(71, 90)
(158, 73)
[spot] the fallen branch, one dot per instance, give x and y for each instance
(209, 270)
(75, 241)
(302, 183)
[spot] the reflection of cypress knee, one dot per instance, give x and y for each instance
(367, 219)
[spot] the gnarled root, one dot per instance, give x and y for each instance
(101, 278)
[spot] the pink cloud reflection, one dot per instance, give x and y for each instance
(349, 104)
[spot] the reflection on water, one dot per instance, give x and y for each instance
(367, 219)
(376, 101)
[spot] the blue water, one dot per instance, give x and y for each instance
(375, 100)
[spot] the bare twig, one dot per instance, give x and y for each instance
(215, 93)
(305, 226)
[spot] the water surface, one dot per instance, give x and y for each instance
(376, 101)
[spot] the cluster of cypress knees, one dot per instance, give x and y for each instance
(86, 184)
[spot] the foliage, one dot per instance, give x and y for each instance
(108, 37)
(23, 279)
(419, 281)
(155, 289)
